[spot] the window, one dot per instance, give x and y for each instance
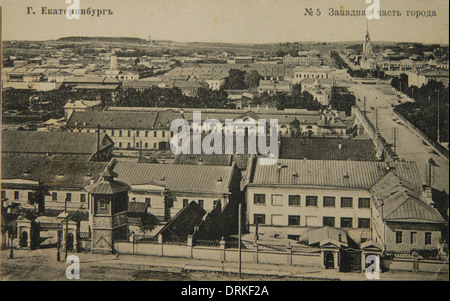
(259, 219)
(277, 199)
(148, 202)
(137, 133)
(363, 223)
(346, 222)
(293, 237)
(155, 134)
(16, 195)
(120, 133)
(201, 203)
(346, 202)
(329, 201)
(30, 196)
(428, 238)
(294, 200)
(185, 202)
(146, 133)
(413, 238)
(112, 133)
(146, 145)
(294, 220)
(3, 194)
(102, 204)
(129, 133)
(259, 199)
(328, 221)
(128, 145)
(163, 133)
(120, 144)
(83, 198)
(69, 197)
(363, 203)
(311, 201)
(155, 146)
(398, 237)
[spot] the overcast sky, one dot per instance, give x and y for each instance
(241, 21)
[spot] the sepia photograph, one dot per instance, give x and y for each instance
(210, 143)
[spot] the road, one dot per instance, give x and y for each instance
(408, 146)
(42, 265)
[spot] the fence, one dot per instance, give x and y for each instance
(378, 140)
(436, 146)
(227, 251)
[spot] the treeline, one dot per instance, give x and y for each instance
(170, 97)
(342, 100)
(423, 112)
(298, 99)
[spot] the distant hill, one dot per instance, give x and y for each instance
(104, 39)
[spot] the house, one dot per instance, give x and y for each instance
(403, 220)
(82, 146)
(168, 188)
(292, 197)
(274, 86)
(422, 76)
(319, 72)
(81, 106)
(128, 129)
(64, 179)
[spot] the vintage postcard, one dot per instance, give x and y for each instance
(224, 140)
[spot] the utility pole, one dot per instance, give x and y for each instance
(67, 228)
(364, 106)
(438, 139)
(376, 118)
(239, 244)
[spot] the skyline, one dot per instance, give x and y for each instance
(231, 21)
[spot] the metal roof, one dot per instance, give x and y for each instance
(58, 173)
(319, 148)
(330, 173)
(53, 142)
(399, 200)
(186, 178)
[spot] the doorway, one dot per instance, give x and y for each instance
(329, 260)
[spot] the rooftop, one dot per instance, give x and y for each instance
(331, 173)
(175, 177)
(318, 148)
(53, 142)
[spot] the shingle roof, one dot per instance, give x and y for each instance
(318, 148)
(399, 200)
(53, 142)
(60, 173)
(330, 173)
(175, 177)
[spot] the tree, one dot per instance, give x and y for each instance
(236, 80)
(146, 224)
(38, 197)
(252, 79)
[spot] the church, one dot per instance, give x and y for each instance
(367, 60)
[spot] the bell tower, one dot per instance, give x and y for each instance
(367, 45)
(108, 204)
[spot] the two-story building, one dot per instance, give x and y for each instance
(290, 198)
